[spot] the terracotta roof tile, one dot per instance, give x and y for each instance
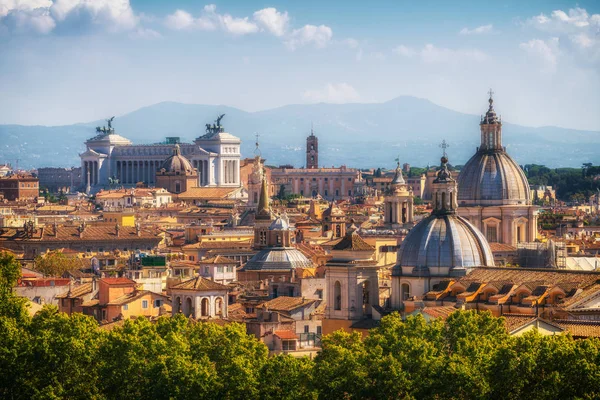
(76, 291)
(515, 321)
(438, 312)
(206, 193)
(580, 328)
(118, 281)
(218, 259)
(199, 283)
(286, 335)
(285, 303)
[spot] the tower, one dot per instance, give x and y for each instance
(398, 202)
(312, 151)
(491, 129)
(255, 178)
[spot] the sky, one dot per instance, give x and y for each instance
(68, 61)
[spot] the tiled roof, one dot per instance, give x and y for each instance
(285, 303)
(438, 312)
(76, 291)
(217, 260)
(118, 281)
(286, 335)
(351, 241)
(513, 322)
(71, 233)
(580, 328)
(206, 193)
(519, 276)
(199, 283)
(129, 297)
(501, 247)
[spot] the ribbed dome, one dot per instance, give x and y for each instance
(278, 258)
(492, 178)
(177, 164)
(445, 241)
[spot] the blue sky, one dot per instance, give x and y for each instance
(66, 61)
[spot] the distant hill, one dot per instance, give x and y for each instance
(360, 135)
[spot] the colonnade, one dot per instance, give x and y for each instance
(90, 167)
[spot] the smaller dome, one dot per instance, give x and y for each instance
(177, 164)
(281, 223)
(278, 258)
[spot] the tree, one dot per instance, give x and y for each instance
(55, 263)
(11, 305)
(286, 377)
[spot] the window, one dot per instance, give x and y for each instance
(405, 291)
(318, 330)
(191, 258)
(206, 270)
(144, 303)
(157, 303)
(220, 270)
(229, 269)
(337, 296)
(306, 329)
(492, 233)
(337, 192)
(126, 307)
(326, 194)
(320, 293)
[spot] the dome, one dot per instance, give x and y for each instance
(278, 258)
(177, 164)
(492, 178)
(445, 241)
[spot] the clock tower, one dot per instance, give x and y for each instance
(312, 151)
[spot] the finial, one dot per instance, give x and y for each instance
(312, 131)
(491, 100)
(398, 161)
(177, 150)
(444, 145)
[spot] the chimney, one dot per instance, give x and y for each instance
(117, 229)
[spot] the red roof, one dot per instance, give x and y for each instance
(286, 335)
(118, 281)
(39, 282)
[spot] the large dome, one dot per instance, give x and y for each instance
(492, 178)
(278, 258)
(445, 241)
(177, 164)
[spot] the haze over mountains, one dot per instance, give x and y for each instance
(358, 135)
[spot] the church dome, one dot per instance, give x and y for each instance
(177, 164)
(278, 258)
(492, 178)
(443, 243)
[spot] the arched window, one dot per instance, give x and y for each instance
(189, 310)
(177, 304)
(366, 300)
(337, 295)
(204, 307)
(405, 291)
(177, 187)
(443, 201)
(219, 306)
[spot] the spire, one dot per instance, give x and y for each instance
(257, 149)
(490, 115)
(263, 211)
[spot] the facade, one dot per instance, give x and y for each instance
(439, 247)
(60, 179)
(494, 193)
(200, 298)
(111, 159)
(19, 187)
(352, 282)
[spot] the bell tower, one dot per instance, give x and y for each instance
(312, 151)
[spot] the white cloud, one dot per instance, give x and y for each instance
(477, 31)
(238, 26)
(332, 93)
(404, 51)
(583, 40)
(320, 36)
(351, 43)
(560, 22)
(179, 20)
(272, 20)
(210, 20)
(546, 51)
(43, 16)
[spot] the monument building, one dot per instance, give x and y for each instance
(111, 159)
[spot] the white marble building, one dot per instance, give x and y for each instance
(109, 156)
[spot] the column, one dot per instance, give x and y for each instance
(237, 177)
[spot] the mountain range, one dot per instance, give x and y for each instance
(357, 135)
